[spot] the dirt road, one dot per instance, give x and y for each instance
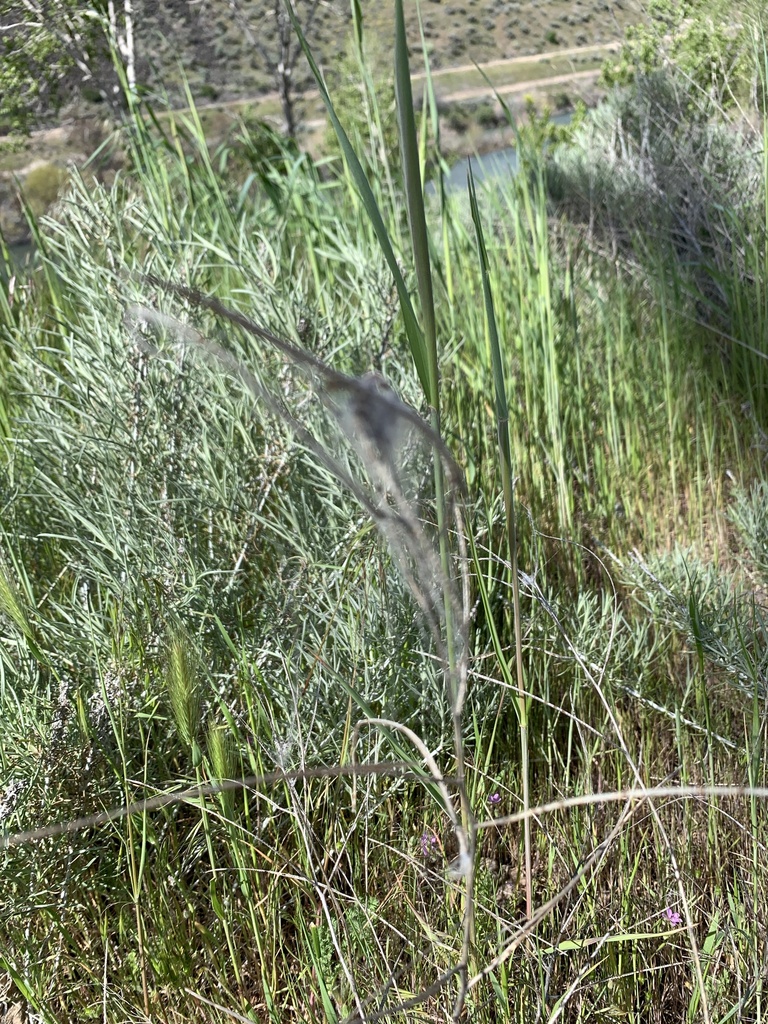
(418, 76)
(512, 62)
(478, 92)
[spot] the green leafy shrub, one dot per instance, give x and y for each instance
(561, 101)
(458, 118)
(706, 43)
(363, 94)
(488, 116)
(42, 186)
(10, 145)
(649, 157)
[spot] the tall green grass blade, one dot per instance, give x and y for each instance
(440, 169)
(412, 329)
(414, 195)
(502, 426)
(429, 90)
(10, 602)
(357, 23)
(411, 162)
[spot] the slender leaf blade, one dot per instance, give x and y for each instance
(409, 147)
(412, 329)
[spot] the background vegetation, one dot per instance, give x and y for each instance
(228, 48)
(194, 589)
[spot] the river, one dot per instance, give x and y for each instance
(497, 164)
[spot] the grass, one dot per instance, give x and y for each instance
(68, 145)
(474, 31)
(454, 33)
(241, 86)
(449, 84)
(227, 555)
(211, 47)
(454, 81)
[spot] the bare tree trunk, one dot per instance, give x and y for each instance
(130, 54)
(124, 41)
(287, 103)
(284, 71)
(280, 59)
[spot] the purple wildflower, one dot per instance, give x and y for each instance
(494, 798)
(671, 916)
(427, 842)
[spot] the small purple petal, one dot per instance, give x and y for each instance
(494, 798)
(428, 842)
(672, 916)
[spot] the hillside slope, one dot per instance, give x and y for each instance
(209, 43)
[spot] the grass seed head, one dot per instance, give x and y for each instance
(185, 692)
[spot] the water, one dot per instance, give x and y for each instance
(20, 254)
(497, 164)
(492, 165)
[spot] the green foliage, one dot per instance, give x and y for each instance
(185, 693)
(258, 153)
(223, 755)
(32, 73)
(705, 43)
(10, 602)
(540, 133)
(12, 144)
(750, 514)
(363, 93)
(667, 180)
(198, 582)
(488, 116)
(49, 51)
(42, 186)
(458, 118)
